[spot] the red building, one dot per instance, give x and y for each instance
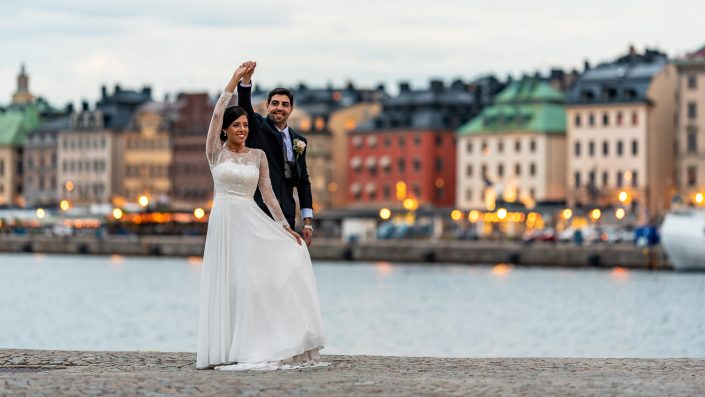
(408, 151)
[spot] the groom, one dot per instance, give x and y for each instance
(285, 150)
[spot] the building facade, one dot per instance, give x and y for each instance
(148, 154)
(41, 163)
(514, 150)
(621, 134)
(15, 124)
(690, 134)
(406, 155)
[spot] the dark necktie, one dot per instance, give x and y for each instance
(287, 165)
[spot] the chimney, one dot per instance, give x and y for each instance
(404, 87)
(632, 50)
(586, 65)
(380, 87)
(84, 105)
(118, 89)
(437, 86)
(103, 91)
(69, 108)
(147, 91)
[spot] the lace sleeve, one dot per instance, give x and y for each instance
(265, 188)
(213, 143)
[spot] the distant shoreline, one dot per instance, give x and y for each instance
(417, 251)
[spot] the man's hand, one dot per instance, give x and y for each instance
(249, 70)
(307, 235)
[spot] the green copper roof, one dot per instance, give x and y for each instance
(526, 105)
(16, 123)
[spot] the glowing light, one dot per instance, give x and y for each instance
(143, 201)
(502, 213)
(595, 214)
(567, 213)
(117, 213)
(474, 216)
(623, 197)
(199, 213)
(195, 260)
(40, 213)
(619, 213)
(532, 217)
(69, 186)
(620, 272)
(64, 205)
(410, 204)
(333, 187)
(384, 267)
(456, 215)
(114, 258)
(385, 213)
(699, 198)
(501, 269)
(401, 190)
(627, 176)
(440, 183)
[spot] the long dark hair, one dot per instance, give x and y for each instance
(231, 114)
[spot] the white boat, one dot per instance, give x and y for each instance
(683, 238)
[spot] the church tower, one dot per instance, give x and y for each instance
(22, 96)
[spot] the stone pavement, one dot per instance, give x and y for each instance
(71, 373)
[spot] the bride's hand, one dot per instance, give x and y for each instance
(293, 233)
(240, 71)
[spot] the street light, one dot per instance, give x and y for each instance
(595, 214)
(699, 198)
(456, 215)
(623, 197)
(385, 213)
(502, 213)
(64, 205)
(143, 201)
(474, 216)
(567, 213)
(117, 213)
(40, 213)
(619, 213)
(199, 213)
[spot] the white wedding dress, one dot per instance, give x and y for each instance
(258, 299)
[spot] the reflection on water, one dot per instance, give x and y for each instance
(144, 303)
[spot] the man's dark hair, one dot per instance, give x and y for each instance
(281, 91)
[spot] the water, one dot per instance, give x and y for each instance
(136, 303)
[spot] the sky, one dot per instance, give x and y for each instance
(71, 48)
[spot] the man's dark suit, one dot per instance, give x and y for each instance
(264, 135)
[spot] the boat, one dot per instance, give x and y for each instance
(683, 238)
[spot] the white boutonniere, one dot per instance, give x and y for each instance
(299, 147)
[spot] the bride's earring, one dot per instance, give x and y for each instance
(223, 136)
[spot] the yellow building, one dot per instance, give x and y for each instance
(147, 155)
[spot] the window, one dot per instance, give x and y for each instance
(605, 148)
(417, 165)
(2, 167)
(439, 140)
(591, 120)
(517, 146)
(591, 148)
(692, 82)
(468, 194)
(620, 118)
(401, 140)
(605, 178)
(439, 164)
(469, 147)
(500, 170)
(578, 121)
(635, 118)
(440, 192)
(371, 141)
(635, 178)
(692, 176)
(620, 147)
(416, 189)
(500, 146)
(692, 141)
(620, 179)
(605, 119)
(576, 179)
(386, 192)
(532, 145)
(532, 169)
(577, 149)
(517, 169)
(401, 164)
(692, 110)
(635, 147)
(591, 178)
(468, 170)
(417, 140)
(387, 141)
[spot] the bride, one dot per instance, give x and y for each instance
(258, 299)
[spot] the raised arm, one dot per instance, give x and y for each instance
(213, 143)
